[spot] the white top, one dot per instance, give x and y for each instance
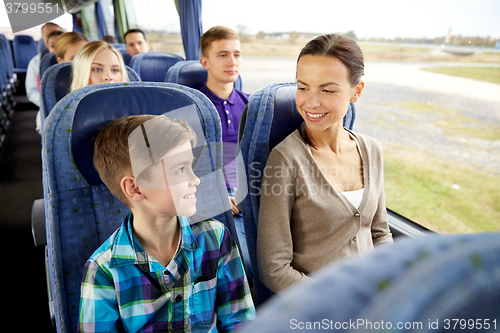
(31, 82)
(354, 197)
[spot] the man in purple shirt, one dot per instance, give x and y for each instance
(221, 57)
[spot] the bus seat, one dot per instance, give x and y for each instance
(6, 51)
(153, 66)
(80, 212)
(40, 45)
(8, 77)
(192, 74)
(47, 60)
(420, 282)
(121, 47)
(4, 125)
(56, 83)
(24, 47)
(269, 117)
(4, 64)
(44, 52)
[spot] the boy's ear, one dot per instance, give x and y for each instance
(204, 62)
(130, 188)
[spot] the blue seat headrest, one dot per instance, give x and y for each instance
(193, 75)
(24, 39)
(62, 82)
(98, 109)
(47, 60)
(153, 66)
(286, 118)
(64, 78)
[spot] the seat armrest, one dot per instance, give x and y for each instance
(38, 222)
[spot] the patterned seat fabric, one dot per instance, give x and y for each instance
(416, 285)
(56, 83)
(46, 61)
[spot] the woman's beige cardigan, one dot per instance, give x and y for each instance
(305, 224)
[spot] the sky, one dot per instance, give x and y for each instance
(367, 18)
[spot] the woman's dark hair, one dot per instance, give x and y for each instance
(342, 48)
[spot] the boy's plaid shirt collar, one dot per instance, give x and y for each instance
(134, 254)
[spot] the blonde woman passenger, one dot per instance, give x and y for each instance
(322, 195)
(98, 62)
(66, 46)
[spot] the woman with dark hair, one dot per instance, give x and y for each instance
(322, 195)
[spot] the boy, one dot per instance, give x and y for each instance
(221, 57)
(157, 272)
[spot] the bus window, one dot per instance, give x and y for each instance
(432, 94)
(130, 7)
(90, 25)
(161, 25)
(109, 16)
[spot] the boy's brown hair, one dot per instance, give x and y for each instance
(214, 34)
(111, 149)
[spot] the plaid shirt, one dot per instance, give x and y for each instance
(203, 289)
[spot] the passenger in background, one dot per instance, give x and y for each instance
(51, 40)
(221, 57)
(136, 42)
(322, 193)
(98, 62)
(32, 79)
(68, 45)
(109, 39)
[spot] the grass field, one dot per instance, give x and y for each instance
(488, 74)
(442, 197)
(445, 196)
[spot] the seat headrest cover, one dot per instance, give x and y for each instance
(100, 107)
(132, 75)
(286, 118)
(62, 83)
(48, 60)
(193, 75)
(64, 78)
(153, 66)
